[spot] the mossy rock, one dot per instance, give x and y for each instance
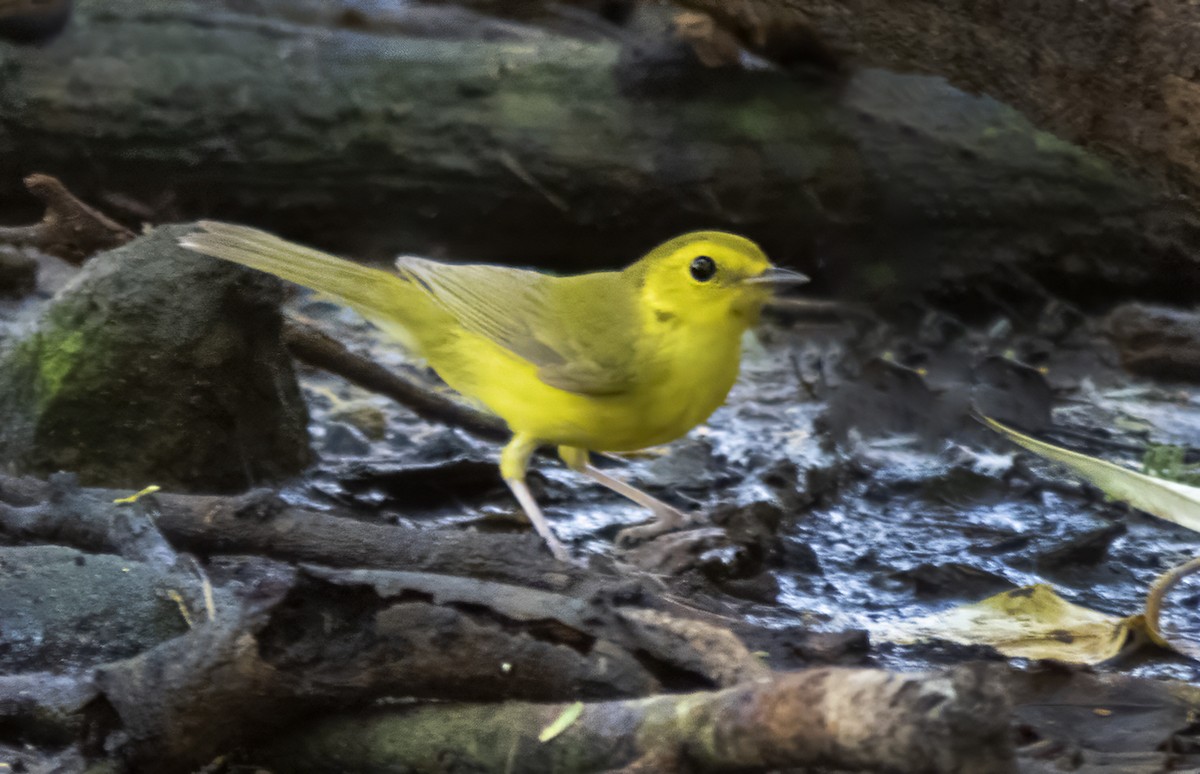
(156, 366)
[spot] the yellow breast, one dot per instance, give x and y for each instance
(684, 379)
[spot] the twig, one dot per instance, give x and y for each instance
(70, 229)
(323, 351)
(1154, 602)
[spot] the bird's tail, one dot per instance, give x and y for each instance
(378, 295)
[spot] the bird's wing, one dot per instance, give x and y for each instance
(580, 332)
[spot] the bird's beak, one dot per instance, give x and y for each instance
(777, 277)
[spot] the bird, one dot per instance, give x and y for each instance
(606, 361)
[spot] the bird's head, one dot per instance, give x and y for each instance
(708, 277)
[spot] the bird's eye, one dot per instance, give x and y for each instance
(703, 268)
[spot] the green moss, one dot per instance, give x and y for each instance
(56, 357)
(1168, 462)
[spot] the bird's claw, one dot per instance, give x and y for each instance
(664, 523)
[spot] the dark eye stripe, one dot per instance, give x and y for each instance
(703, 268)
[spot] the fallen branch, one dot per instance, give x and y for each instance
(846, 719)
(70, 229)
(68, 516)
(323, 640)
(259, 523)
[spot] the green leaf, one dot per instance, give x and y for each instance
(1169, 500)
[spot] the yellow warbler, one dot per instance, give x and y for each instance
(606, 361)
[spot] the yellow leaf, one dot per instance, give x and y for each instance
(1169, 500)
(562, 722)
(177, 598)
(1030, 622)
(133, 498)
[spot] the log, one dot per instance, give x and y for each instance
(259, 523)
(844, 719)
(1120, 78)
(317, 648)
(568, 153)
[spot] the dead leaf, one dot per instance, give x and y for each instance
(1029, 622)
(1034, 622)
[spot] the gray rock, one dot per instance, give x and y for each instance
(61, 609)
(156, 365)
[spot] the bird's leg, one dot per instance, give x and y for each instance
(666, 517)
(514, 460)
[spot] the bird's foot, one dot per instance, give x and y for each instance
(534, 514)
(666, 520)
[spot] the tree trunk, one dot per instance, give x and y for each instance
(569, 153)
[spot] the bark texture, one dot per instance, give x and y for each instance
(1122, 78)
(846, 719)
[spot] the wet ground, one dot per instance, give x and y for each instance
(891, 501)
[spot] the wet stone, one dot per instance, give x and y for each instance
(842, 648)
(951, 580)
(344, 441)
(156, 365)
(1013, 393)
(691, 468)
(799, 558)
(61, 609)
(886, 399)
(1085, 548)
(679, 552)
(753, 527)
(364, 416)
